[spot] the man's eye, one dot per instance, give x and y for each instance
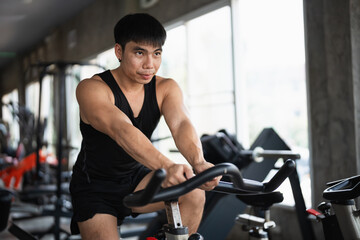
(139, 53)
(158, 54)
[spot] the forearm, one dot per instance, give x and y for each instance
(139, 147)
(188, 143)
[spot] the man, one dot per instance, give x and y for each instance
(119, 110)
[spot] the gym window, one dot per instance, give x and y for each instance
(201, 62)
(32, 91)
(9, 119)
(270, 77)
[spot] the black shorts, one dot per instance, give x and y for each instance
(101, 196)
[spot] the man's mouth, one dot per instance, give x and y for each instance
(146, 75)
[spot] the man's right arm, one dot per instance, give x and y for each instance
(97, 108)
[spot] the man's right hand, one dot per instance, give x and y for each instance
(176, 174)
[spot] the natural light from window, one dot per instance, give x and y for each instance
(271, 66)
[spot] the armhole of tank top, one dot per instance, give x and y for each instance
(110, 81)
(155, 102)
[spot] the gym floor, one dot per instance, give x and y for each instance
(45, 223)
(36, 224)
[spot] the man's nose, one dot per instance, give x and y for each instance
(149, 62)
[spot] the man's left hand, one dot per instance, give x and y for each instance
(210, 185)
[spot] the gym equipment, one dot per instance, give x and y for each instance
(339, 217)
(223, 147)
(258, 154)
(249, 190)
(26, 121)
(256, 225)
(61, 68)
(15, 173)
(38, 187)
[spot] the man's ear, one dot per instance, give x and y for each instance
(118, 51)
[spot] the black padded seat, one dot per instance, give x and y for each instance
(264, 200)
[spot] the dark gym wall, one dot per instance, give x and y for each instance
(332, 42)
(355, 43)
(11, 78)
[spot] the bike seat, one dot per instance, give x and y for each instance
(264, 200)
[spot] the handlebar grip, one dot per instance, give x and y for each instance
(153, 193)
(229, 169)
(285, 171)
(145, 196)
(221, 169)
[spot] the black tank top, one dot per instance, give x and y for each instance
(100, 156)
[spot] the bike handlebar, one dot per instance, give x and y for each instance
(154, 193)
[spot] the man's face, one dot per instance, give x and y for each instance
(140, 62)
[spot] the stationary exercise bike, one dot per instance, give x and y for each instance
(252, 192)
(339, 216)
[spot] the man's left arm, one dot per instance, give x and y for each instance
(186, 139)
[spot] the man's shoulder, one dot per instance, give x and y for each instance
(165, 82)
(89, 84)
(166, 87)
(92, 80)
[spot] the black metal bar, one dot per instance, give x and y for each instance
(170, 193)
(307, 230)
(256, 153)
(280, 176)
(20, 233)
(61, 99)
(38, 128)
(145, 196)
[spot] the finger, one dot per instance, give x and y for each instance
(170, 183)
(188, 173)
(171, 180)
(214, 181)
(218, 180)
(207, 188)
(175, 179)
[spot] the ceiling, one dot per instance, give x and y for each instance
(24, 23)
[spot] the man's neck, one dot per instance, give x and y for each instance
(126, 84)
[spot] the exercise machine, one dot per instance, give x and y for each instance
(339, 216)
(224, 208)
(223, 147)
(248, 190)
(50, 184)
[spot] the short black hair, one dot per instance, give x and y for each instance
(140, 28)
